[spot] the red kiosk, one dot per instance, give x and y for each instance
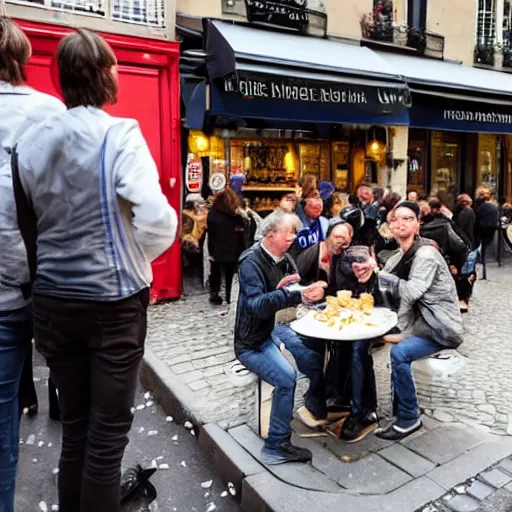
(150, 93)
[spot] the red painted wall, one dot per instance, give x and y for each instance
(150, 93)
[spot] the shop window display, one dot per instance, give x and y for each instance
(446, 153)
(417, 164)
(488, 163)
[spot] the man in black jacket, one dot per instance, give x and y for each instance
(266, 274)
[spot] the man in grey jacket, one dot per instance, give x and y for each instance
(429, 317)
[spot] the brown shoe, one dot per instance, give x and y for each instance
(464, 307)
(309, 420)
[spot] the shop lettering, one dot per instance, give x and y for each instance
(296, 13)
(477, 117)
(282, 91)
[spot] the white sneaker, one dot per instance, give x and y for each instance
(239, 375)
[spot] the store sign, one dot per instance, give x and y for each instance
(254, 87)
(474, 116)
(194, 173)
(288, 13)
(217, 182)
(439, 113)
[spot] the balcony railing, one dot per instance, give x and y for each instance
(373, 28)
(141, 12)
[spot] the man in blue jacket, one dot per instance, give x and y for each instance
(266, 274)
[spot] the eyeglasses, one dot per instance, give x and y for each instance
(407, 220)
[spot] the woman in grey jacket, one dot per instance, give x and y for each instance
(20, 108)
(99, 216)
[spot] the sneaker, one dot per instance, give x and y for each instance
(215, 299)
(309, 420)
(285, 453)
(357, 426)
(399, 430)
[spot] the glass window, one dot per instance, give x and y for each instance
(446, 153)
(417, 162)
(488, 162)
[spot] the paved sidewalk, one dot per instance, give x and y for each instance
(467, 401)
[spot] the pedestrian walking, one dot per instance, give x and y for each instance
(227, 239)
(89, 198)
(20, 108)
(486, 222)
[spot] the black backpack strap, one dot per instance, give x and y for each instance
(27, 222)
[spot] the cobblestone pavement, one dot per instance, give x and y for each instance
(490, 491)
(195, 340)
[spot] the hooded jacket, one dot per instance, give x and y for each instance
(100, 212)
(429, 306)
(20, 108)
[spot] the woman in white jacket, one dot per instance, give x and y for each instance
(99, 217)
(20, 108)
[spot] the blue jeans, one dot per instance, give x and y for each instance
(402, 355)
(271, 366)
(15, 339)
(364, 390)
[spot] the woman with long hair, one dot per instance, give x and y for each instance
(20, 108)
(226, 241)
(89, 198)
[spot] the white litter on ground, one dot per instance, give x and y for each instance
(211, 507)
(31, 439)
(55, 508)
(164, 466)
(169, 419)
(55, 471)
(160, 458)
(34, 461)
(40, 444)
(183, 464)
(193, 432)
(132, 410)
(188, 425)
(150, 403)
(206, 494)
(50, 445)
(154, 464)
(231, 489)
(43, 507)
(147, 395)
(207, 484)
(223, 494)
(174, 438)
(140, 407)
(141, 429)
(152, 432)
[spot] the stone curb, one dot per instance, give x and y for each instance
(176, 398)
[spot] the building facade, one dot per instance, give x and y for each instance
(445, 64)
(142, 35)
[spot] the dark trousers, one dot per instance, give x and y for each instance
(93, 350)
(364, 388)
(229, 269)
(15, 339)
(465, 286)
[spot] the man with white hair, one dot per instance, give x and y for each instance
(266, 275)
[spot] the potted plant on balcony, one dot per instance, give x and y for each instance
(484, 54)
(378, 25)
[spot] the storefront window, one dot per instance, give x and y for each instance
(341, 165)
(417, 161)
(446, 152)
(488, 162)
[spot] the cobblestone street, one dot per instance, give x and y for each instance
(195, 340)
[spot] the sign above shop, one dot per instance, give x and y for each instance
(217, 182)
(459, 115)
(253, 87)
(302, 15)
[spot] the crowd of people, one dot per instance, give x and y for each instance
(413, 255)
(82, 215)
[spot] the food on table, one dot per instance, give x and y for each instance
(344, 310)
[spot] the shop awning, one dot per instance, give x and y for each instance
(193, 95)
(277, 75)
(449, 96)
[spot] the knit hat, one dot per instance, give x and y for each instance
(412, 206)
(326, 189)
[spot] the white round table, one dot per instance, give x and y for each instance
(383, 319)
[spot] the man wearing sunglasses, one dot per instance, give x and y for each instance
(266, 278)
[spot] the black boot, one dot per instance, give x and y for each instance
(27, 397)
(135, 479)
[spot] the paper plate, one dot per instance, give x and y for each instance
(383, 321)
